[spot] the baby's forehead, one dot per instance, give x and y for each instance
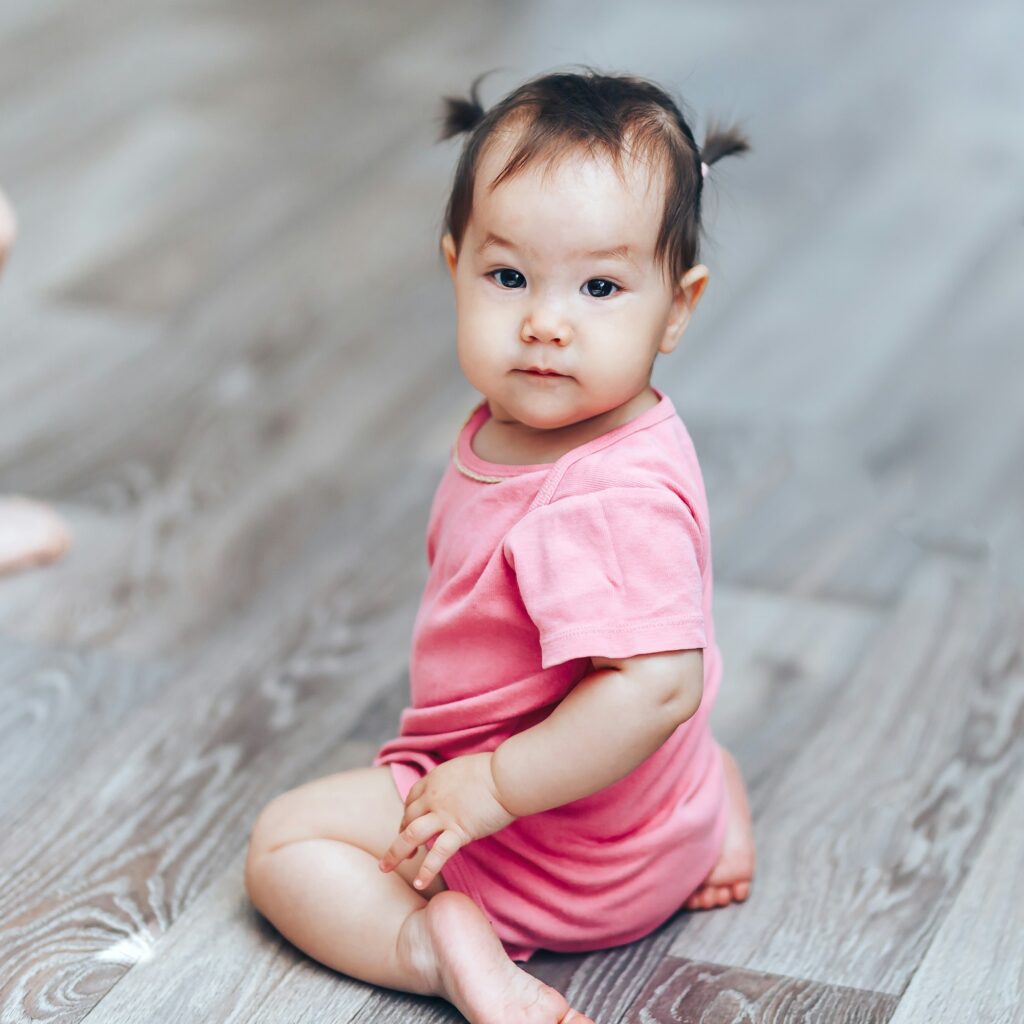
(592, 196)
(640, 174)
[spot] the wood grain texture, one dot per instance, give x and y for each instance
(887, 803)
(226, 357)
(686, 990)
(53, 706)
(974, 970)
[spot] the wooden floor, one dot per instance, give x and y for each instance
(227, 358)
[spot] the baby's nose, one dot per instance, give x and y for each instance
(541, 327)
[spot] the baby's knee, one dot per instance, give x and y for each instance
(266, 834)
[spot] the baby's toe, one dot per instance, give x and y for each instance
(701, 900)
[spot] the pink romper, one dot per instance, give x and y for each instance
(534, 570)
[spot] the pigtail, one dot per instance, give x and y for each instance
(719, 142)
(462, 115)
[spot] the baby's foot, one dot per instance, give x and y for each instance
(31, 533)
(8, 228)
(474, 972)
(730, 878)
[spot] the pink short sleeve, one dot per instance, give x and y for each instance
(612, 573)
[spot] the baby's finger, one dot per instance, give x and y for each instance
(409, 840)
(444, 846)
(413, 810)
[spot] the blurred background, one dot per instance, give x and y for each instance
(227, 361)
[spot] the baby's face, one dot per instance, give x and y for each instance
(536, 286)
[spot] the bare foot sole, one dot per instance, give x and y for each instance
(475, 974)
(730, 878)
(30, 534)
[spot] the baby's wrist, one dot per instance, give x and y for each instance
(499, 792)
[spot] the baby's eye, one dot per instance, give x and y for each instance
(508, 270)
(604, 284)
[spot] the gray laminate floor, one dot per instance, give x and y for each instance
(227, 358)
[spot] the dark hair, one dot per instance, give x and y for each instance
(561, 112)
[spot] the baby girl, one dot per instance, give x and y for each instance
(555, 783)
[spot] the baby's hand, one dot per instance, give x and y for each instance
(457, 799)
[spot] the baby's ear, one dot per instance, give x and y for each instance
(688, 292)
(685, 297)
(448, 246)
(692, 284)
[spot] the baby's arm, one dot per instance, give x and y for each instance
(612, 720)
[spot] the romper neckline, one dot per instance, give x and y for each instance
(473, 466)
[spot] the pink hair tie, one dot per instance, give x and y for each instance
(703, 169)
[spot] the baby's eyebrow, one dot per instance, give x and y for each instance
(618, 252)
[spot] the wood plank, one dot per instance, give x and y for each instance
(797, 513)
(974, 969)
(259, 976)
(53, 360)
(116, 193)
(815, 335)
(878, 815)
(84, 95)
(945, 427)
(253, 490)
(246, 413)
(45, 697)
(105, 862)
(693, 991)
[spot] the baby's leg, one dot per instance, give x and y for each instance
(312, 872)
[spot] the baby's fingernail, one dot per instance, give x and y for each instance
(418, 883)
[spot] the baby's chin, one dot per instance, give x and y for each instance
(543, 405)
(532, 415)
